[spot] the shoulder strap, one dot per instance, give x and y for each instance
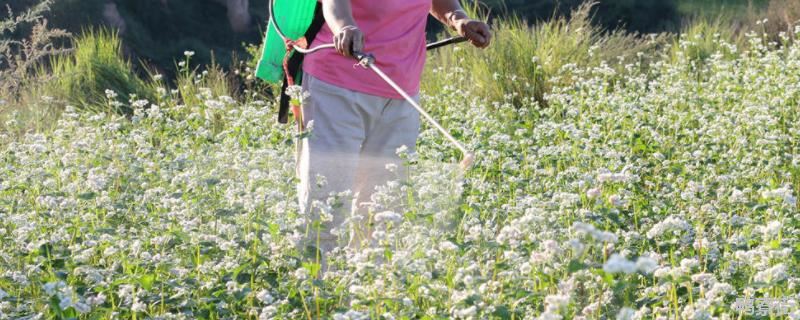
(296, 61)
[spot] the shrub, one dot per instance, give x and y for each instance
(26, 41)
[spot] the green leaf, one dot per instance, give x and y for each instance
(502, 312)
(387, 253)
(212, 181)
(242, 294)
(46, 250)
(243, 278)
(87, 196)
(274, 229)
(147, 281)
(575, 265)
(313, 268)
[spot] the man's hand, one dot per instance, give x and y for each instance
(349, 40)
(347, 37)
(453, 15)
(477, 32)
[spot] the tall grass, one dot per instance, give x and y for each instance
(194, 84)
(526, 61)
(703, 37)
(96, 65)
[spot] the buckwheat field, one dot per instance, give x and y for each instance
(658, 191)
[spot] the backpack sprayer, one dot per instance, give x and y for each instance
(303, 18)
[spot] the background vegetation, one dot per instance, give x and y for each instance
(141, 48)
(158, 31)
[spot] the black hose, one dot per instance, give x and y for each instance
(446, 42)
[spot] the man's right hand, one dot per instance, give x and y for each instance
(349, 40)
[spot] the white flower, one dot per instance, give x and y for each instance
(719, 290)
(297, 94)
(772, 275)
(188, 53)
(97, 300)
(737, 196)
(602, 236)
(301, 274)
(97, 179)
(689, 263)
(548, 315)
(402, 150)
(82, 307)
(626, 314)
(139, 307)
(3, 294)
(138, 104)
(557, 300)
(387, 316)
(619, 264)
(268, 313)
(65, 303)
(265, 297)
(388, 216)
(51, 287)
(646, 264)
(672, 223)
(466, 313)
(231, 286)
(614, 177)
(351, 315)
(616, 200)
(110, 251)
(447, 246)
(784, 193)
(772, 229)
(704, 278)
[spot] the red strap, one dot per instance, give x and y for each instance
(290, 45)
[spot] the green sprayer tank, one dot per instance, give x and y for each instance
(294, 18)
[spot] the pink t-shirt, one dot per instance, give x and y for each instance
(394, 32)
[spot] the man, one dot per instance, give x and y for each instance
(357, 121)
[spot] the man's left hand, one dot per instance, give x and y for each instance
(477, 32)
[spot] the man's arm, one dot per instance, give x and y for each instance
(453, 15)
(347, 37)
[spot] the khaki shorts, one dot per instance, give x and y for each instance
(350, 139)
